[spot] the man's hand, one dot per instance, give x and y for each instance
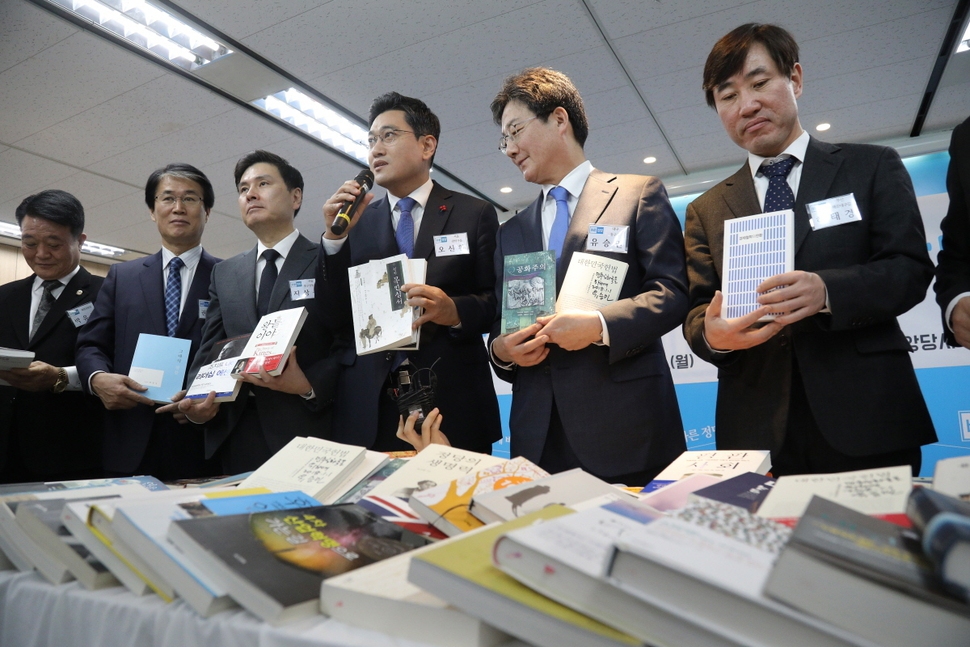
(198, 411)
(736, 334)
(798, 295)
(39, 376)
(118, 391)
(573, 330)
(347, 192)
(960, 321)
(291, 380)
(438, 306)
(430, 430)
(174, 408)
(517, 348)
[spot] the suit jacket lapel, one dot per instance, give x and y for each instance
(822, 163)
(433, 221)
(531, 219)
(596, 196)
(20, 307)
(151, 279)
(381, 228)
(301, 256)
(739, 194)
(198, 290)
(76, 292)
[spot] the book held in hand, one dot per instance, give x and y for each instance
(217, 373)
(528, 289)
(382, 317)
(591, 282)
(159, 363)
(755, 248)
(270, 343)
(13, 358)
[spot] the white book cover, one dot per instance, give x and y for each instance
(951, 476)
(371, 462)
(755, 248)
(723, 463)
(270, 343)
(311, 465)
(217, 376)
(434, 465)
(591, 282)
(382, 318)
(75, 515)
(882, 491)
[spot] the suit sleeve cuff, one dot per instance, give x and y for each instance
(950, 307)
(73, 379)
(499, 363)
(332, 247)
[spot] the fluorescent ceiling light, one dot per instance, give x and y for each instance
(313, 117)
(965, 41)
(89, 247)
(150, 28)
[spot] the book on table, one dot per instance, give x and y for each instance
(528, 289)
(723, 463)
(273, 563)
(382, 318)
(372, 463)
(271, 342)
(951, 476)
(368, 483)
(159, 363)
(747, 491)
(707, 563)
(434, 465)
(216, 375)
(868, 576)
(399, 511)
(460, 570)
(944, 526)
(677, 494)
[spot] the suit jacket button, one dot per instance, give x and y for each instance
(389, 356)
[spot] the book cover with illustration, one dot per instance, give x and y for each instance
(270, 344)
(528, 289)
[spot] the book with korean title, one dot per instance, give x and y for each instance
(270, 343)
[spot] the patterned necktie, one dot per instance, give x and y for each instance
(557, 236)
(46, 301)
(267, 280)
(779, 196)
(405, 227)
(173, 295)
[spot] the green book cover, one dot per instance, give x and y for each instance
(528, 289)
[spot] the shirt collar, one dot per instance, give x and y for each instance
(190, 258)
(420, 195)
(796, 149)
(283, 247)
(64, 279)
(574, 181)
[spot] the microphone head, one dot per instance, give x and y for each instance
(365, 179)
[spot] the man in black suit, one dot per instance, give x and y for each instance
(162, 294)
(457, 296)
(49, 429)
(953, 263)
(827, 385)
(269, 410)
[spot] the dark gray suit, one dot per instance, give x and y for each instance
(953, 270)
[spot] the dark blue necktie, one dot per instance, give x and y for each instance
(267, 280)
(405, 227)
(557, 236)
(173, 295)
(779, 196)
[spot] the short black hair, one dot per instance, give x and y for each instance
(417, 114)
(543, 90)
(729, 53)
(292, 178)
(184, 171)
(59, 207)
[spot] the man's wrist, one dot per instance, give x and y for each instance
(60, 380)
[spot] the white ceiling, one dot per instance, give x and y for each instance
(83, 114)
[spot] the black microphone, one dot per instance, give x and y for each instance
(366, 180)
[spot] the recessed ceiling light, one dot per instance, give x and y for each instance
(823, 127)
(506, 189)
(649, 160)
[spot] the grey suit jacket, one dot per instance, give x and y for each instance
(617, 403)
(232, 312)
(854, 362)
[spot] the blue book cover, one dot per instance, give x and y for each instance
(159, 363)
(259, 503)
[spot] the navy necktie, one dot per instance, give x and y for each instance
(173, 295)
(46, 301)
(557, 236)
(405, 227)
(267, 280)
(779, 196)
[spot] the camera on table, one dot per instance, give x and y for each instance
(413, 390)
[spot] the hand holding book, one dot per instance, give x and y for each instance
(291, 380)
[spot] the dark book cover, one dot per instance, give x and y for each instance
(288, 553)
(746, 491)
(924, 504)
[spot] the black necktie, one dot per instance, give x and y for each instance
(46, 301)
(266, 281)
(779, 196)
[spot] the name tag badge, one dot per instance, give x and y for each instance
(833, 211)
(608, 238)
(79, 315)
(451, 245)
(203, 308)
(301, 289)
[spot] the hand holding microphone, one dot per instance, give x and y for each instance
(365, 179)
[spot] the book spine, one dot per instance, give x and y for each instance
(921, 508)
(943, 532)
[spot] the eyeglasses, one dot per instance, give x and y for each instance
(386, 136)
(188, 201)
(514, 131)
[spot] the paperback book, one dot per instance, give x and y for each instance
(755, 248)
(159, 364)
(528, 289)
(434, 465)
(270, 344)
(313, 465)
(217, 373)
(382, 317)
(591, 282)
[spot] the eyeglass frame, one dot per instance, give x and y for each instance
(172, 200)
(503, 144)
(371, 140)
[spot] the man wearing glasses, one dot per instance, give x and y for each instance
(591, 389)
(458, 298)
(166, 293)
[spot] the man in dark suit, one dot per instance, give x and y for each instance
(458, 294)
(49, 429)
(162, 294)
(953, 263)
(827, 385)
(269, 410)
(590, 389)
